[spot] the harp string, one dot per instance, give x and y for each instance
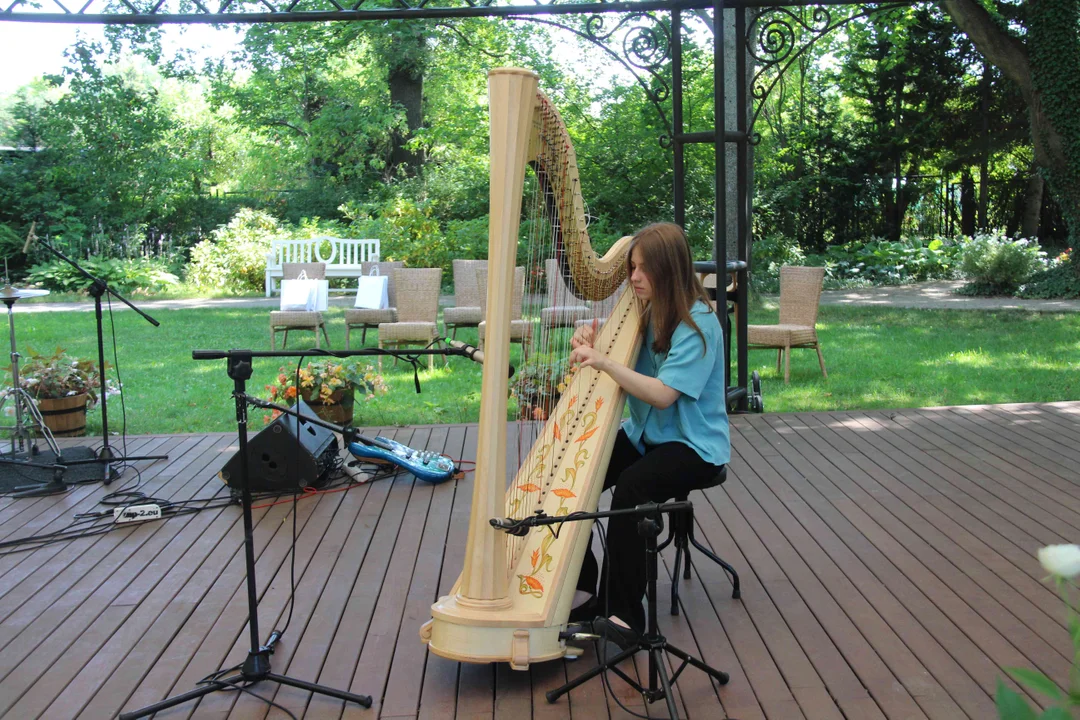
(549, 219)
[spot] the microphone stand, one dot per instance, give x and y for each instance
(98, 287)
(256, 667)
(649, 527)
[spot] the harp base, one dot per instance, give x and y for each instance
(517, 646)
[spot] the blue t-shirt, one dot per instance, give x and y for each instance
(699, 417)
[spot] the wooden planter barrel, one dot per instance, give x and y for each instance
(66, 416)
(339, 411)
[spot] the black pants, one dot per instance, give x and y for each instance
(663, 472)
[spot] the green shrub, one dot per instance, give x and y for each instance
(997, 265)
(233, 259)
(885, 262)
(768, 255)
(10, 242)
(407, 231)
(1060, 281)
(130, 275)
(469, 237)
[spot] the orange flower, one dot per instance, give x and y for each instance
(564, 493)
(290, 393)
(533, 583)
(528, 487)
(599, 403)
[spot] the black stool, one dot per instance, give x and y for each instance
(681, 532)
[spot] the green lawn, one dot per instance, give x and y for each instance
(877, 358)
(894, 358)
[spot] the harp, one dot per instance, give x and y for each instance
(514, 594)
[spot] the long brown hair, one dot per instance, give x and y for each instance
(665, 253)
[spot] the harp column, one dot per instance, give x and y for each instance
(484, 579)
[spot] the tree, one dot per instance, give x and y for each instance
(1045, 64)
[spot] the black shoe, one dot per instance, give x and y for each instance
(623, 637)
(585, 612)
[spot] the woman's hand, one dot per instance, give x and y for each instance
(584, 336)
(587, 356)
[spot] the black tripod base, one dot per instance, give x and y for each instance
(111, 462)
(256, 669)
(659, 683)
(53, 487)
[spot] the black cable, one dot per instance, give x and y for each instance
(246, 688)
(94, 523)
(292, 572)
(119, 381)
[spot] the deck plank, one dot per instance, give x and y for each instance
(886, 558)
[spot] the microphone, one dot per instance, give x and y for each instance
(30, 238)
(473, 353)
(510, 526)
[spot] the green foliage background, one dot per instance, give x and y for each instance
(894, 129)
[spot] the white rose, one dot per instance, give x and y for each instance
(1060, 560)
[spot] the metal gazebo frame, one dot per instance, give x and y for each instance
(766, 32)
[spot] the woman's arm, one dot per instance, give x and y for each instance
(644, 388)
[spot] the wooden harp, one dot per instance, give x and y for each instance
(514, 594)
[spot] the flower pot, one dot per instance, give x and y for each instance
(66, 416)
(536, 408)
(338, 411)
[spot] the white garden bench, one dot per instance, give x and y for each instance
(342, 256)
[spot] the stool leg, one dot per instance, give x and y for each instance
(675, 580)
(736, 593)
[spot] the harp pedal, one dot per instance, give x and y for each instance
(578, 634)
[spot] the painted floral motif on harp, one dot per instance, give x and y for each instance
(541, 558)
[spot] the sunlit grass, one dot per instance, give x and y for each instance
(895, 358)
(877, 358)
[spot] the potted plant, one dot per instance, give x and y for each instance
(63, 387)
(538, 385)
(328, 387)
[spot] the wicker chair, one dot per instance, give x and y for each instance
(467, 303)
(800, 293)
(520, 330)
(286, 320)
(563, 308)
(417, 309)
(368, 318)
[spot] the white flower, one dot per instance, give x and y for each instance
(1060, 560)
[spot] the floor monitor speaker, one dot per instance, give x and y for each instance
(288, 455)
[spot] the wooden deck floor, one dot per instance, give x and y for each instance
(887, 563)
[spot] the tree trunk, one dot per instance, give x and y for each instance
(1033, 197)
(984, 159)
(967, 204)
(407, 90)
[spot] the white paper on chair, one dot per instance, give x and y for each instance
(304, 295)
(371, 292)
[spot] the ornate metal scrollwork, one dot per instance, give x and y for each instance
(641, 43)
(778, 36)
